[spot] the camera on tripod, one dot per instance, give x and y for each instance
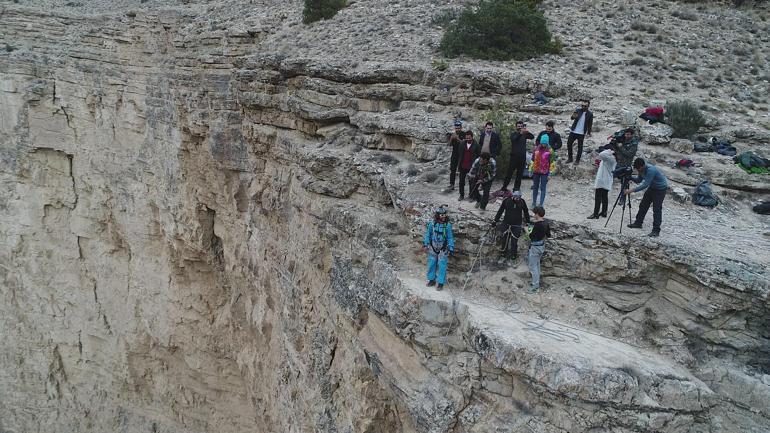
(622, 172)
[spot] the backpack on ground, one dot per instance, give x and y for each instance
(704, 195)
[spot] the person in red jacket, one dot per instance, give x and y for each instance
(468, 151)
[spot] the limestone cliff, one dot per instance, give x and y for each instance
(203, 231)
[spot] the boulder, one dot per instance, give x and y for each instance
(655, 134)
(681, 145)
(679, 194)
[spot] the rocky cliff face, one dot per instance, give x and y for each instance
(202, 234)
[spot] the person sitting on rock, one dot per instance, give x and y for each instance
(541, 168)
(540, 231)
(469, 151)
(652, 114)
(554, 139)
(439, 243)
(482, 174)
(454, 140)
(625, 144)
(514, 211)
(603, 183)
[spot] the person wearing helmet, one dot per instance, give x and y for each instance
(516, 213)
(439, 243)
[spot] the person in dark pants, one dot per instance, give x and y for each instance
(554, 138)
(625, 144)
(469, 151)
(482, 174)
(603, 183)
(454, 139)
(582, 122)
(655, 183)
(518, 155)
(540, 232)
(490, 141)
(515, 210)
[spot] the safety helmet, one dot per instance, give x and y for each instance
(441, 213)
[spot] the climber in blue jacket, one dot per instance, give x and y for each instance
(439, 242)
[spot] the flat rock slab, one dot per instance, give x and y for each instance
(571, 362)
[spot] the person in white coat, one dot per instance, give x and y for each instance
(603, 183)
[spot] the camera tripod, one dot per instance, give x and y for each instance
(623, 200)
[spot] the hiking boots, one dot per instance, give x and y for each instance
(654, 234)
(593, 216)
(440, 287)
(431, 283)
(450, 188)
(462, 197)
(477, 205)
(603, 214)
(634, 226)
(569, 160)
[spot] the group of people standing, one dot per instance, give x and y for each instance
(475, 162)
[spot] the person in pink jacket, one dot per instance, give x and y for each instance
(541, 168)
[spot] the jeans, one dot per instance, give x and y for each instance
(539, 182)
(437, 264)
(600, 198)
(453, 170)
(518, 165)
(463, 174)
(571, 139)
(482, 197)
(654, 197)
(533, 261)
(509, 242)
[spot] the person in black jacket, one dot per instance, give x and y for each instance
(490, 141)
(518, 155)
(582, 122)
(454, 139)
(540, 232)
(554, 138)
(516, 212)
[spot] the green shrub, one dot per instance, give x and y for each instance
(685, 118)
(505, 124)
(316, 10)
(439, 65)
(500, 30)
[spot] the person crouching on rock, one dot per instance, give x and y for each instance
(483, 173)
(540, 231)
(516, 212)
(439, 242)
(603, 183)
(541, 168)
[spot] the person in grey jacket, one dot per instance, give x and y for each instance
(654, 184)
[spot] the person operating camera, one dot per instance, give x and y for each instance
(655, 183)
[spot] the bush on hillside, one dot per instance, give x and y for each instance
(500, 30)
(316, 10)
(685, 118)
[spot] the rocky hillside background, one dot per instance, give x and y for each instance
(210, 217)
